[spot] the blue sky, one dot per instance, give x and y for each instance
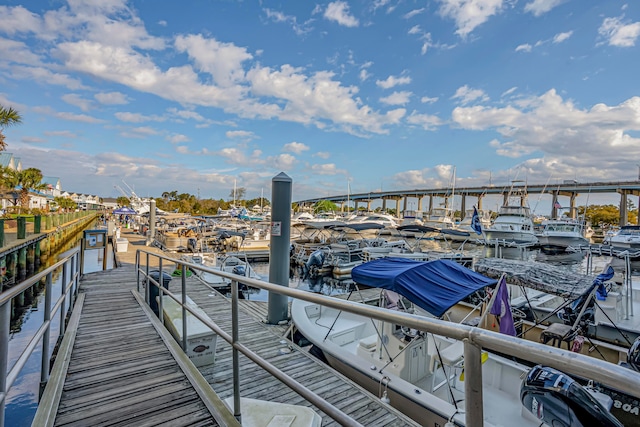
(375, 95)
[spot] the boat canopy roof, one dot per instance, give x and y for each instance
(434, 286)
(416, 228)
(360, 226)
(536, 275)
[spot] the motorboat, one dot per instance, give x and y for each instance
(235, 263)
(512, 225)
(628, 237)
(420, 374)
(558, 234)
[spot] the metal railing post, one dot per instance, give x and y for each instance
(146, 288)
(160, 291)
(235, 353)
(63, 290)
(44, 370)
(474, 415)
(137, 271)
(5, 320)
(183, 278)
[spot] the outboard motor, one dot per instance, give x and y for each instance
(633, 355)
(314, 263)
(556, 399)
(240, 270)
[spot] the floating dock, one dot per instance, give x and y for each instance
(118, 365)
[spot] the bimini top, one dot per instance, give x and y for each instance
(434, 286)
(537, 275)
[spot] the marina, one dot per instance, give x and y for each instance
(275, 344)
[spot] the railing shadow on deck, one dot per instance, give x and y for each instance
(474, 340)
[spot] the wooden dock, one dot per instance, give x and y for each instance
(123, 367)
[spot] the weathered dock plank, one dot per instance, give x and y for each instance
(121, 371)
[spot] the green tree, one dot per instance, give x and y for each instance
(123, 201)
(65, 203)
(8, 117)
(27, 180)
(325, 206)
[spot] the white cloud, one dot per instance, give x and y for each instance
(414, 12)
(469, 14)
(111, 98)
(280, 17)
(137, 117)
(61, 133)
(327, 169)
(466, 95)
(296, 147)
(338, 11)
(18, 20)
(240, 134)
(540, 7)
(426, 121)
(560, 37)
(397, 98)
(78, 101)
(524, 48)
(322, 154)
(223, 61)
(551, 125)
(428, 100)
(177, 138)
(83, 118)
(618, 34)
(393, 81)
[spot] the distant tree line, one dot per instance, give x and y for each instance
(188, 203)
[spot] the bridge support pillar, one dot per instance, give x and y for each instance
(420, 203)
(573, 212)
(479, 202)
(623, 208)
(398, 207)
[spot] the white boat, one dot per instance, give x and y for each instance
(512, 225)
(440, 218)
(420, 374)
(628, 237)
(230, 263)
(558, 234)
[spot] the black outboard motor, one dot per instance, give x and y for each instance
(558, 400)
(633, 355)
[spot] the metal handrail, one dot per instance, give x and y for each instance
(474, 339)
(69, 290)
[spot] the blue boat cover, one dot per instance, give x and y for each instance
(434, 286)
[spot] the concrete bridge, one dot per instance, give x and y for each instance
(569, 189)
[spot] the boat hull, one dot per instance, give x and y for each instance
(518, 237)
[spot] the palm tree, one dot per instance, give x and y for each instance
(28, 180)
(8, 117)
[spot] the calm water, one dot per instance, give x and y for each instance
(22, 400)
